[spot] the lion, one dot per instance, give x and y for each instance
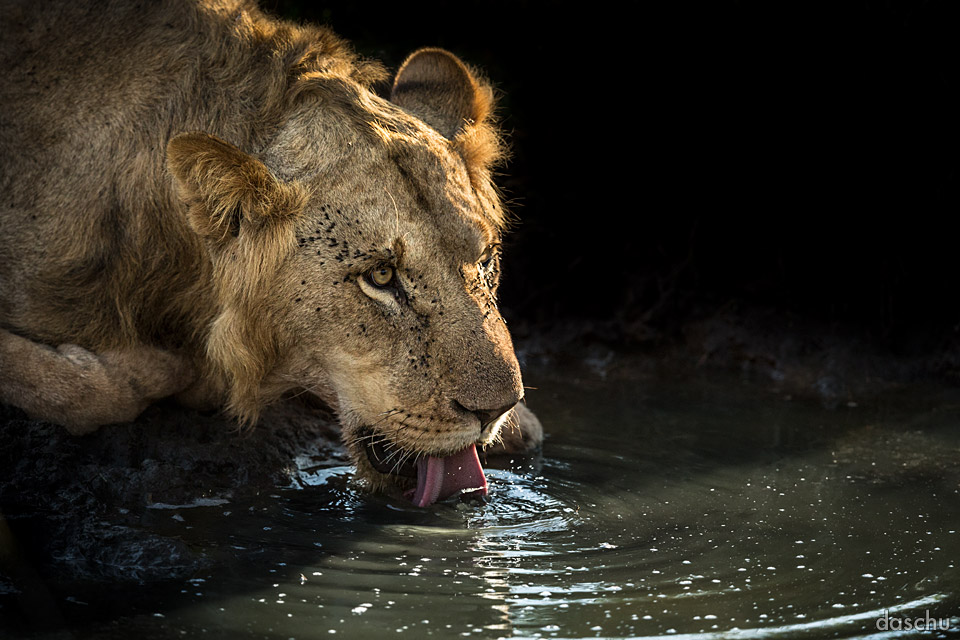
(204, 202)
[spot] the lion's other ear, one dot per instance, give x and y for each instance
(224, 186)
(435, 86)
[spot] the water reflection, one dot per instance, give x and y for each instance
(698, 510)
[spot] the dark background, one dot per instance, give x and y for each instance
(673, 159)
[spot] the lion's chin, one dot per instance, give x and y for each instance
(425, 479)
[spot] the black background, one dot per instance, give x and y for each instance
(672, 158)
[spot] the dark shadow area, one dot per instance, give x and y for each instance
(676, 160)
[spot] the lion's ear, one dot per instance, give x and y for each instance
(435, 86)
(227, 189)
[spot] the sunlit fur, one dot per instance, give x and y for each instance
(205, 180)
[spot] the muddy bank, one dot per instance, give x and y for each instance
(834, 363)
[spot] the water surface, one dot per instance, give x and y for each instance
(707, 507)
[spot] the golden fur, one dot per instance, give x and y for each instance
(194, 194)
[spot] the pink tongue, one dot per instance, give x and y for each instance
(439, 478)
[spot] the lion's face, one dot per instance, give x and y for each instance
(378, 260)
(390, 297)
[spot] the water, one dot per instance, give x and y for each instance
(702, 508)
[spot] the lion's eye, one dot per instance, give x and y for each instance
(381, 276)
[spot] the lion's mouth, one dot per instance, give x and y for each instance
(438, 478)
(390, 460)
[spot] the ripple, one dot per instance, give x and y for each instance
(521, 507)
(638, 528)
(833, 627)
(603, 539)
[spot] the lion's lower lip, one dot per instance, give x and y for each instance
(391, 460)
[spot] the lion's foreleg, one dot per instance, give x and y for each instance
(83, 390)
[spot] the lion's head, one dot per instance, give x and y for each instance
(357, 255)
